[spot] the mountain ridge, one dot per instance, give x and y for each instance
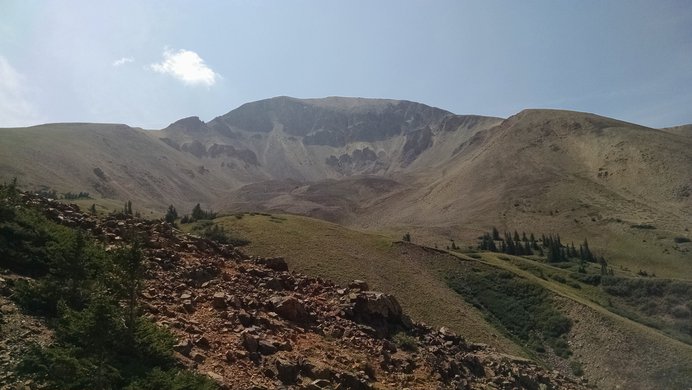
(444, 174)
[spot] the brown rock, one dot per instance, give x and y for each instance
(359, 285)
(219, 301)
(203, 342)
(250, 342)
(198, 357)
(244, 318)
(352, 382)
(214, 376)
(267, 347)
(290, 309)
(184, 347)
(275, 263)
(287, 371)
(188, 306)
(319, 384)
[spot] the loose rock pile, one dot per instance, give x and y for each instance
(249, 323)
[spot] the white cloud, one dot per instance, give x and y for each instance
(186, 66)
(15, 109)
(123, 61)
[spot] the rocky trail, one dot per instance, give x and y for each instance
(250, 323)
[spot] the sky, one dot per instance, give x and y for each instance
(148, 63)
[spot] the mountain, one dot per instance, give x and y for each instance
(685, 130)
(376, 169)
(316, 139)
(390, 165)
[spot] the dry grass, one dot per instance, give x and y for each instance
(325, 249)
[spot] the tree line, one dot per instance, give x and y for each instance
(550, 246)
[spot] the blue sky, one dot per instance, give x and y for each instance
(149, 63)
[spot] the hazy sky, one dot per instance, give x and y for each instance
(149, 63)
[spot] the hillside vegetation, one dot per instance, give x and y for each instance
(321, 248)
(88, 298)
(550, 312)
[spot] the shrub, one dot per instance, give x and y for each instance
(405, 342)
(523, 308)
(643, 226)
(680, 240)
(173, 379)
(558, 278)
(219, 234)
(89, 298)
(680, 312)
(593, 280)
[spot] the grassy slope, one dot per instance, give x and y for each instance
(321, 248)
(616, 350)
(600, 339)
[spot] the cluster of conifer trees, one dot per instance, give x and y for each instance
(550, 246)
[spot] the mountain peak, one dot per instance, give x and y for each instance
(189, 124)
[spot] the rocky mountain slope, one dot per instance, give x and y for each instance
(249, 323)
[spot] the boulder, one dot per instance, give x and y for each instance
(359, 285)
(250, 342)
(219, 301)
(380, 311)
(290, 308)
(274, 263)
(348, 381)
(184, 347)
(287, 371)
(267, 347)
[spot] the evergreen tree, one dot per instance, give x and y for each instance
(534, 244)
(510, 248)
(131, 268)
(604, 265)
(491, 244)
(518, 248)
(454, 245)
(527, 249)
(197, 212)
(496, 234)
(171, 214)
(128, 208)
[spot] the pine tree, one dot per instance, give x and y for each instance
(128, 208)
(491, 244)
(171, 214)
(131, 267)
(604, 265)
(197, 212)
(496, 234)
(518, 249)
(527, 249)
(510, 248)
(534, 244)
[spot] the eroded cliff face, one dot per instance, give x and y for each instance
(315, 139)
